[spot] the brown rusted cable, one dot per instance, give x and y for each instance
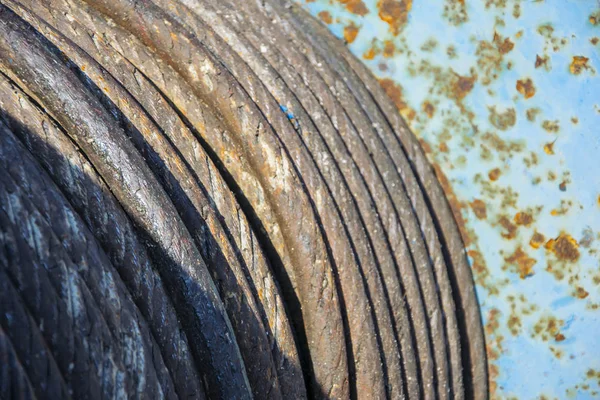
(238, 208)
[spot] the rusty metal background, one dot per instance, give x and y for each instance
(505, 98)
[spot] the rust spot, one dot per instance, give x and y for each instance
(389, 49)
(451, 52)
(426, 147)
(532, 113)
(545, 30)
(350, 32)
(587, 238)
(514, 324)
(455, 11)
(549, 148)
(581, 293)
(559, 337)
(504, 46)
(502, 120)
(493, 324)
(370, 54)
(429, 45)
(479, 208)
(595, 18)
(594, 40)
(562, 186)
(542, 62)
(537, 240)
(511, 229)
(564, 247)
(462, 86)
(526, 88)
(578, 64)
(548, 327)
(522, 263)
(494, 174)
(551, 126)
(395, 13)
(325, 17)
(481, 272)
(428, 108)
(355, 6)
(443, 147)
(516, 11)
(523, 218)
(394, 91)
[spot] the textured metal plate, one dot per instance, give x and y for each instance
(505, 97)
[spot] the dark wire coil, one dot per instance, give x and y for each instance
(215, 199)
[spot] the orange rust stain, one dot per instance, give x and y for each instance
(511, 229)
(548, 327)
(370, 54)
(504, 46)
(426, 147)
(532, 113)
(325, 17)
(443, 147)
(537, 240)
(494, 347)
(598, 201)
(526, 88)
(595, 18)
(389, 49)
(493, 324)
(563, 186)
(541, 61)
(428, 108)
(502, 120)
(395, 13)
(522, 262)
(479, 208)
(523, 218)
(564, 247)
(494, 174)
(581, 293)
(462, 86)
(549, 148)
(594, 40)
(394, 91)
(355, 6)
(478, 265)
(350, 32)
(578, 64)
(551, 126)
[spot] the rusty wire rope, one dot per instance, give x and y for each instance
(215, 199)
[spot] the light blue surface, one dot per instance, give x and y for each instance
(527, 366)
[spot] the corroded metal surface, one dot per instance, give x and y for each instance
(505, 98)
(217, 200)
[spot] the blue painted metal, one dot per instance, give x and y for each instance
(505, 96)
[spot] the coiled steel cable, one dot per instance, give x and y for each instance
(215, 199)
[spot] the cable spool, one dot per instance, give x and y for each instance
(214, 199)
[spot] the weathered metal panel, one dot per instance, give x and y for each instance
(505, 98)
